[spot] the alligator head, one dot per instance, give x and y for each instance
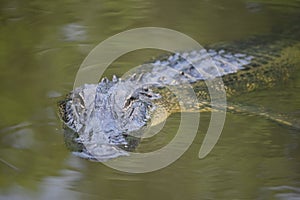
(100, 117)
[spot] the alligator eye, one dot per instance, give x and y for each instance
(148, 95)
(181, 73)
(146, 89)
(128, 101)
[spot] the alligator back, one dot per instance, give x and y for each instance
(253, 64)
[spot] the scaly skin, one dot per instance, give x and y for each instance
(99, 119)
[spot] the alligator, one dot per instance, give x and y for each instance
(105, 120)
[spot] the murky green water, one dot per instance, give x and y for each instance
(42, 45)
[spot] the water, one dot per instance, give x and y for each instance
(42, 46)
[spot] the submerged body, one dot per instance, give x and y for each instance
(100, 119)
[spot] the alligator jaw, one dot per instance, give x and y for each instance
(103, 115)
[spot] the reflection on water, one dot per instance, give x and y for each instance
(43, 44)
(55, 187)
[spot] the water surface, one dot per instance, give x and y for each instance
(41, 48)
